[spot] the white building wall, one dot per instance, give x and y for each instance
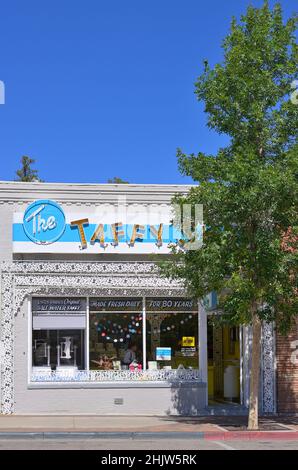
(98, 399)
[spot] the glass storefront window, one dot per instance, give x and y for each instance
(58, 348)
(115, 340)
(172, 340)
(58, 333)
(115, 333)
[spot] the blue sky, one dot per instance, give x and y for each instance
(97, 89)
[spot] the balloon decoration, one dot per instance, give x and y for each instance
(118, 333)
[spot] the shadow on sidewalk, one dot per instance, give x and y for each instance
(237, 423)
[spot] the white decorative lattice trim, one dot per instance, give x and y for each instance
(268, 367)
(267, 393)
(85, 268)
(174, 375)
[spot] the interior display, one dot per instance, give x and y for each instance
(113, 338)
(115, 334)
(172, 330)
(188, 341)
(67, 350)
(58, 332)
(188, 351)
(135, 366)
(41, 353)
(58, 348)
(163, 354)
(117, 365)
(65, 347)
(152, 365)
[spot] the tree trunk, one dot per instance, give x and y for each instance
(253, 418)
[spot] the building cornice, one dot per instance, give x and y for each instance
(12, 191)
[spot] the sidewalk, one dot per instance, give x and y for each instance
(210, 427)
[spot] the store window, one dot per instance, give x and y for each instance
(58, 349)
(58, 336)
(115, 339)
(172, 333)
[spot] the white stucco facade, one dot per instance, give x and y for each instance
(104, 269)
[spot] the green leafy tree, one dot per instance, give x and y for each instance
(249, 188)
(117, 180)
(26, 172)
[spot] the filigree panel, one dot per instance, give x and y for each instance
(267, 395)
(85, 268)
(23, 279)
(268, 368)
(103, 376)
(7, 334)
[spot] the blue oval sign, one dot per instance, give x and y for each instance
(44, 222)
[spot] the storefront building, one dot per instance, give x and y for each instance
(88, 324)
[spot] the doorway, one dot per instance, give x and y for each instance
(223, 363)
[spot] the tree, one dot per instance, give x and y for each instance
(26, 172)
(249, 188)
(117, 180)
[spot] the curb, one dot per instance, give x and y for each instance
(101, 435)
(251, 436)
(208, 435)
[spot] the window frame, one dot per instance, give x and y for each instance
(111, 383)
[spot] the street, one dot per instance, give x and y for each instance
(143, 444)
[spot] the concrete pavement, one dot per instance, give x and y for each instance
(102, 424)
(154, 444)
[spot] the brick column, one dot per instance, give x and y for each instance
(287, 371)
